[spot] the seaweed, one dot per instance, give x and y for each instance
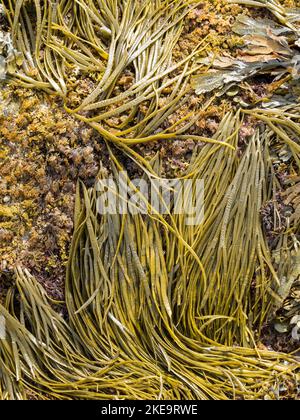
(138, 37)
(171, 315)
(156, 308)
(268, 49)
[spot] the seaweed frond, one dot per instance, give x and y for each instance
(108, 39)
(170, 315)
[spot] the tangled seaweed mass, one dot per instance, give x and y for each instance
(177, 312)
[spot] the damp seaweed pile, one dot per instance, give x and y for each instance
(178, 312)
